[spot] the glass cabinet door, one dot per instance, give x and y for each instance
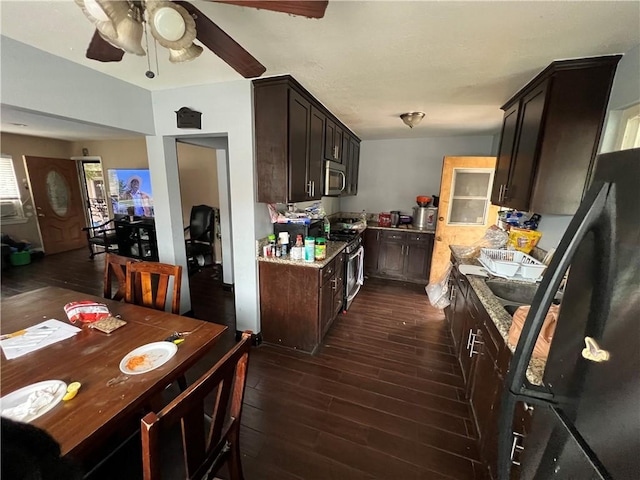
(470, 194)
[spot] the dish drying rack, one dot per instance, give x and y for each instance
(511, 264)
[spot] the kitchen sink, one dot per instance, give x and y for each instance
(512, 293)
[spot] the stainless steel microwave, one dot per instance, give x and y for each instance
(335, 178)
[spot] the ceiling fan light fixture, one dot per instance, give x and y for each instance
(185, 54)
(171, 25)
(101, 13)
(411, 119)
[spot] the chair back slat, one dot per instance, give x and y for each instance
(115, 268)
(227, 380)
(148, 284)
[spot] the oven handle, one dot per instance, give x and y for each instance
(353, 255)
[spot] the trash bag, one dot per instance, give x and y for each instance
(494, 237)
(438, 292)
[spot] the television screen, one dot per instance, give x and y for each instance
(130, 192)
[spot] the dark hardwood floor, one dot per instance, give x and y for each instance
(383, 399)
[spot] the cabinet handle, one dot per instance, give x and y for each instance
(515, 446)
(407, 253)
(401, 250)
(471, 334)
(474, 342)
(527, 407)
(334, 282)
(313, 188)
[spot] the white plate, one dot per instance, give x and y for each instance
(152, 356)
(56, 387)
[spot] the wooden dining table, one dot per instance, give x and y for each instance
(91, 357)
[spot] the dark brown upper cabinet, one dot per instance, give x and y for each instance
(333, 145)
(550, 135)
(291, 133)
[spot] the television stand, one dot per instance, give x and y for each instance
(137, 238)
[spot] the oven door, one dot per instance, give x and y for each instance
(335, 179)
(354, 275)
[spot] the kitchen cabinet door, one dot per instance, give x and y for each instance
(505, 153)
(371, 250)
(486, 385)
(353, 166)
(333, 141)
(392, 254)
(418, 257)
(523, 164)
(469, 334)
(315, 178)
(299, 121)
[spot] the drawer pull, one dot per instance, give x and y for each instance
(515, 446)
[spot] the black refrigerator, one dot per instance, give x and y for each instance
(586, 418)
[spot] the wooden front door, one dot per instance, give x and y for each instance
(449, 232)
(56, 192)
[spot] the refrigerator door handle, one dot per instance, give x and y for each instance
(596, 213)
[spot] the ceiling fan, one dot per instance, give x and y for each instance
(121, 25)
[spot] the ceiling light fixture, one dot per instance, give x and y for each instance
(123, 23)
(411, 119)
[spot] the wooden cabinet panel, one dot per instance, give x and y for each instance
(392, 254)
(523, 164)
(299, 121)
(418, 257)
(299, 303)
(371, 251)
(333, 141)
(550, 136)
(293, 135)
(505, 153)
(353, 168)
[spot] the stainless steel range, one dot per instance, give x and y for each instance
(353, 259)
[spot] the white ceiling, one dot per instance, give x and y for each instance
(367, 61)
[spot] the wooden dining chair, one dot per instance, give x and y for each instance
(147, 284)
(115, 267)
(208, 442)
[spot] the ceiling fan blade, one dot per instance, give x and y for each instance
(216, 40)
(101, 50)
(306, 8)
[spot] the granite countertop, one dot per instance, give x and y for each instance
(498, 314)
(402, 228)
(333, 249)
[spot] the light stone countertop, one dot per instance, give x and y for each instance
(333, 249)
(498, 314)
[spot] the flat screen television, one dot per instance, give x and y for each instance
(130, 191)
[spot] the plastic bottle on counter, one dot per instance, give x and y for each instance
(309, 249)
(327, 227)
(272, 245)
(284, 242)
(321, 249)
(297, 251)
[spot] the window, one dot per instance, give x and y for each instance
(10, 204)
(470, 193)
(629, 130)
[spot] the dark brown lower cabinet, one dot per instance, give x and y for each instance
(298, 303)
(398, 255)
(484, 358)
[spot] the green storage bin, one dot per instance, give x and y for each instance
(20, 258)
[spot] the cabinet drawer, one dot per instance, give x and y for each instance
(389, 236)
(419, 237)
(327, 272)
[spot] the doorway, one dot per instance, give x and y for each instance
(94, 191)
(56, 193)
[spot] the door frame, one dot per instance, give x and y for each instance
(83, 184)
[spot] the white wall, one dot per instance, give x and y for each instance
(394, 172)
(227, 108)
(38, 81)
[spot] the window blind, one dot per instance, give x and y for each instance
(8, 183)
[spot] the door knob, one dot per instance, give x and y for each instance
(41, 215)
(441, 219)
(438, 239)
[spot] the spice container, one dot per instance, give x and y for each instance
(321, 249)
